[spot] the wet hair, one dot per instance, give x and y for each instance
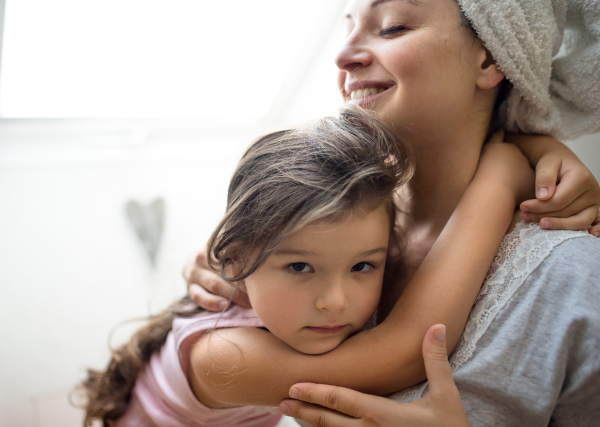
(286, 179)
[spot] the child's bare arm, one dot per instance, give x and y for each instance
(251, 366)
(568, 195)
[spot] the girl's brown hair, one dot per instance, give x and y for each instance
(285, 180)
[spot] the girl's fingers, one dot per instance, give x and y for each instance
(580, 221)
(316, 415)
(573, 185)
(566, 193)
(595, 228)
(546, 176)
(574, 208)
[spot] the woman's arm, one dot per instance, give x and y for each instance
(239, 366)
(568, 195)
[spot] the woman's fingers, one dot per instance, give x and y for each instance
(206, 288)
(437, 368)
(346, 401)
(205, 299)
(316, 415)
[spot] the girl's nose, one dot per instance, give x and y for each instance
(333, 297)
(353, 54)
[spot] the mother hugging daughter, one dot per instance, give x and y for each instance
(318, 237)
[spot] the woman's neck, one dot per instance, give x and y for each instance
(444, 170)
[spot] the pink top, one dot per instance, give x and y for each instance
(162, 395)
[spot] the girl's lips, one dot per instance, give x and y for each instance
(327, 329)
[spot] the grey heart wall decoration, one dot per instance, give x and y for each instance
(147, 220)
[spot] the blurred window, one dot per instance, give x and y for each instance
(149, 58)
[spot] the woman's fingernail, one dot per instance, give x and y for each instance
(284, 409)
(546, 224)
(542, 192)
(597, 234)
(223, 305)
(524, 209)
(440, 334)
(524, 216)
(295, 393)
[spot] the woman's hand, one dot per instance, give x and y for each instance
(567, 194)
(206, 288)
(329, 406)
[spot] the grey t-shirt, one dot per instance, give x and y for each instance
(530, 354)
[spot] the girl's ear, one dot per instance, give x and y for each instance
(489, 73)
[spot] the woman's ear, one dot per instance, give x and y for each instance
(489, 73)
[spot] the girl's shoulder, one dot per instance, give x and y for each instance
(187, 331)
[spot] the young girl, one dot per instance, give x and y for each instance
(309, 220)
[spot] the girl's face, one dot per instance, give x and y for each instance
(323, 283)
(415, 60)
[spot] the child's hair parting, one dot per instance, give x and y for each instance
(286, 179)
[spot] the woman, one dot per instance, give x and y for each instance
(437, 85)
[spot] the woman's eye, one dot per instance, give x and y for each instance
(362, 267)
(300, 267)
(392, 30)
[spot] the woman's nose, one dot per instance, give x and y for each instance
(353, 55)
(333, 297)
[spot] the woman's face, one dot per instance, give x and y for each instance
(323, 283)
(415, 60)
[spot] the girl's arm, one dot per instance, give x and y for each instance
(231, 367)
(568, 195)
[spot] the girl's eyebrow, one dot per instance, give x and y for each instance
(292, 252)
(304, 253)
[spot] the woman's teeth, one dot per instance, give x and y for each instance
(361, 93)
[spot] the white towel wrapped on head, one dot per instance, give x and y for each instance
(550, 51)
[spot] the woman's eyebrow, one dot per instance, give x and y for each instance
(378, 2)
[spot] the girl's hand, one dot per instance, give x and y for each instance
(329, 406)
(568, 195)
(206, 288)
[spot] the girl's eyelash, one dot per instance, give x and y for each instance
(392, 30)
(366, 264)
(291, 270)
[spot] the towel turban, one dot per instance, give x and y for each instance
(550, 51)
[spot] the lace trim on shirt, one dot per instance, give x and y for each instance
(520, 253)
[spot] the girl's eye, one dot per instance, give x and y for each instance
(300, 267)
(362, 267)
(392, 30)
